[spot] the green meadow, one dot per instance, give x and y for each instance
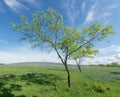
(51, 81)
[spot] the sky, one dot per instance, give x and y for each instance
(76, 13)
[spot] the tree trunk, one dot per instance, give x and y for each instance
(79, 67)
(78, 64)
(68, 73)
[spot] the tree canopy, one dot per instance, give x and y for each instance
(47, 28)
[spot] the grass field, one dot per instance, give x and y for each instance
(51, 81)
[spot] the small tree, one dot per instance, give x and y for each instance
(47, 28)
(83, 53)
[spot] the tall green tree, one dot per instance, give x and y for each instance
(82, 53)
(47, 28)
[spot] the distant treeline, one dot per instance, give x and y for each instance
(113, 64)
(2, 63)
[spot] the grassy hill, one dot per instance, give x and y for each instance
(34, 63)
(51, 81)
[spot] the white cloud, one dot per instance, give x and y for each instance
(69, 7)
(83, 6)
(117, 56)
(109, 54)
(15, 5)
(106, 55)
(102, 60)
(10, 57)
(111, 49)
(117, 49)
(90, 16)
(26, 54)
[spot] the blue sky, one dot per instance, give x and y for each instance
(76, 13)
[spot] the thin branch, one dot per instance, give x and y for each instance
(56, 51)
(66, 56)
(84, 44)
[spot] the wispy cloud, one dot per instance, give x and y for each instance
(15, 5)
(83, 6)
(112, 6)
(69, 7)
(101, 10)
(90, 16)
(33, 3)
(3, 41)
(91, 13)
(18, 5)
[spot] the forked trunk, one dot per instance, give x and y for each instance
(65, 64)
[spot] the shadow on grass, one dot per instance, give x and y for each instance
(7, 77)
(41, 78)
(6, 89)
(7, 92)
(118, 73)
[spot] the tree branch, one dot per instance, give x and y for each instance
(84, 44)
(57, 52)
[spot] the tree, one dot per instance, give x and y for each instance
(47, 28)
(82, 53)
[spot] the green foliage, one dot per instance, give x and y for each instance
(47, 27)
(87, 51)
(99, 88)
(42, 28)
